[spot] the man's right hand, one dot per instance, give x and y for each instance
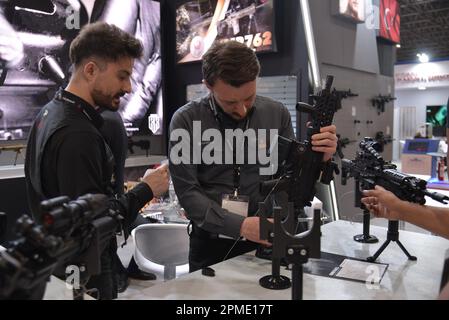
(250, 230)
(157, 180)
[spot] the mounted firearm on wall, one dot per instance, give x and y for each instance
(343, 94)
(380, 101)
(341, 144)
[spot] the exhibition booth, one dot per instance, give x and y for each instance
(324, 62)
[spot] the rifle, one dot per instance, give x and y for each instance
(301, 166)
(370, 169)
(301, 169)
(343, 94)
(342, 143)
(73, 232)
(380, 101)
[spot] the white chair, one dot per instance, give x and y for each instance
(162, 249)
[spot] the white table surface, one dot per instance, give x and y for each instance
(238, 278)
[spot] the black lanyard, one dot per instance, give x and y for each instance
(236, 167)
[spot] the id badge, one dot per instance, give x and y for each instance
(235, 204)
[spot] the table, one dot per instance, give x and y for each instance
(238, 278)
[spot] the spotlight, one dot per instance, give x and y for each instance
(423, 58)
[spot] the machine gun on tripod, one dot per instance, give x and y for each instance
(72, 233)
(369, 169)
(380, 101)
(301, 169)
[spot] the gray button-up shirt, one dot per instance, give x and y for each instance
(200, 186)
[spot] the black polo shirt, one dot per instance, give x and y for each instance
(67, 155)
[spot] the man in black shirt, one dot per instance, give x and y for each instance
(66, 153)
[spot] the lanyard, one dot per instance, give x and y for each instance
(236, 167)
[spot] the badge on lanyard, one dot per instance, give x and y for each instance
(235, 204)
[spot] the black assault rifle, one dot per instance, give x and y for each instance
(343, 94)
(370, 169)
(72, 233)
(380, 101)
(299, 170)
(301, 167)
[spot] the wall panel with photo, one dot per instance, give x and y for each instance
(352, 10)
(35, 37)
(199, 23)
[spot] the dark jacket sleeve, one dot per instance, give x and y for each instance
(204, 212)
(80, 171)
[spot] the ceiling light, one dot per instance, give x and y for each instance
(423, 58)
(422, 88)
(398, 45)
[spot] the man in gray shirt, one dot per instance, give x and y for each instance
(221, 197)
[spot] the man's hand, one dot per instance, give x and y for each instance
(325, 141)
(382, 203)
(157, 180)
(251, 231)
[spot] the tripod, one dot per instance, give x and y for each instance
(392, 235)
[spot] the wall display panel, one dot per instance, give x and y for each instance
(201, 22)
(35, 37)
(390, 20)
(353, 10)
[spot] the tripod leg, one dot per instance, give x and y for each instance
(409, 256)
(378, 252)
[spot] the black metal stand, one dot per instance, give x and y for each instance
(296, 248)
(366, 237)
(275, 281)
(392, 235)
(297, 255)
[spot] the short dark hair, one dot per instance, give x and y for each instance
(105, 41)
(232, 62)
